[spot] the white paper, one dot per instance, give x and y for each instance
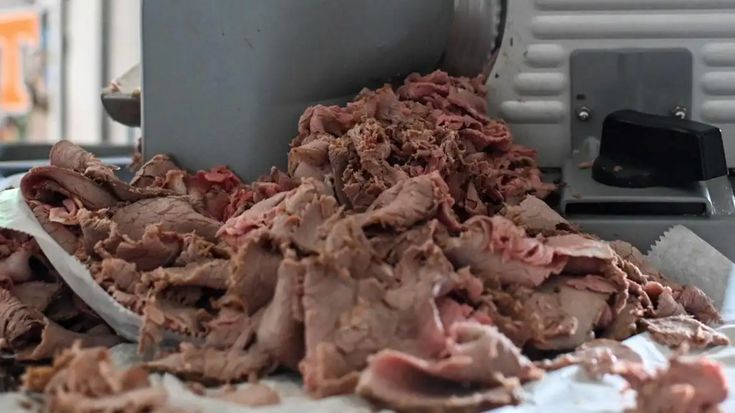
(686, 258)
(566, 390)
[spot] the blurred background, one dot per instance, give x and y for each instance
(55, 58)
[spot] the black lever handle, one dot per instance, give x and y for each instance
(640, 150)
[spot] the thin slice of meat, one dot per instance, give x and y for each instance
(594, 283)
(214, 366)
(67, 155)
(20, 325)
(118, 273)
(260, 215)
(407, 383)
(624, 323)
(569, 315)
(676, 330)
(252, 395)
(16, 266)
(213, 274)
(287, 217)
(66, 214)
(170, 213)
(409, 202)
(495, 249)
(254, 270)
(37, 294)
(156, 248)
(482, 354)
(86, 381)
(54, 339)
(597, 357)
(363, 316)
(279, 333)
(62, 234)
(167, 314)
(535, 215)
(689, 385)
(696, 302)
(153, 172)
(231, 329)
(52, 184)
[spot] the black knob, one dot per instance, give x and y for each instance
(640, 150)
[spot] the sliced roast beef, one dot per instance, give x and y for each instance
(556, 304)
(479, 358)
(253, 395)
(21, 325)
(407, 383)
(153, 172)
(495, 249)
(156, 248)
(696, 302)
(287, 217)
(86, 381)
(162, 314)
(674, 331)
(62, 234)
(364, 317)
(214, 366)
(410, 202)
(594, 283)
(52, 184)
(280, 333)
(254, 271)
(26, 332)
(170, 213)
(382, 138)
(65, 154)
(597, 357)
(231, 329)
(15, 265)
(688, 385)
(213, 274)
(37, 294)
(54, 339)
(535, 215)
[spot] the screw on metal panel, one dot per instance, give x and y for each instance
(679, 112)
(584, 113)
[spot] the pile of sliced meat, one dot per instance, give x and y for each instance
(88, 381)
(406, 256)
(39, 314)
(433, 123)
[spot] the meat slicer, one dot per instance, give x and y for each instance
(648, 85)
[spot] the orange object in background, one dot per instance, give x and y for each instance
(17, 29)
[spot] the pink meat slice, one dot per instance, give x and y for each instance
(170, 213)
(49, 183)
(676, 330)
(474, 376)
(495, 249)
(213, 366)
(364, 317)
(688, 385)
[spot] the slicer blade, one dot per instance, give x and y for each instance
(686, 258)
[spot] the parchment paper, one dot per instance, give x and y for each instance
(566, 390)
